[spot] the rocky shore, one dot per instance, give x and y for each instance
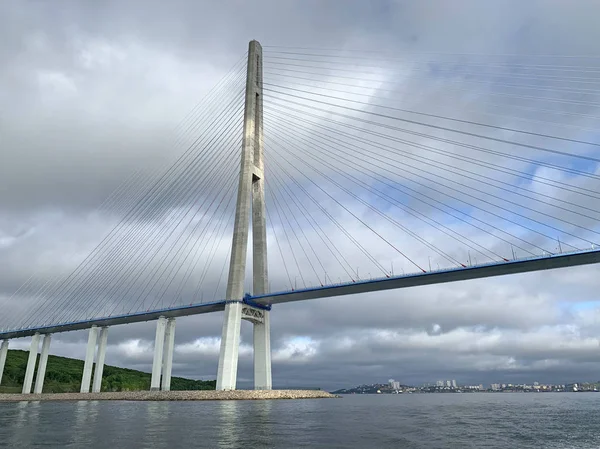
(204, 395)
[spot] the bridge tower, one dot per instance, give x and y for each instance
(250, 199)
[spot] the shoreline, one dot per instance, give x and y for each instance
(192, 395)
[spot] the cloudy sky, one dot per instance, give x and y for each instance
(100, 98)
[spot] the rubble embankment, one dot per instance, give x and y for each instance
(200, 395)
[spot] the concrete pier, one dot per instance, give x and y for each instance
(89, 359)
(31, 361)
(41, 371)
(159, 343)
(3, 354)
(168, 355)
(99, 369)
(262, 354)
(230, 344)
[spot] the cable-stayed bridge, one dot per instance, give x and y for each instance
(351, 180)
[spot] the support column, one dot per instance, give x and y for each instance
(230, 344)
(3, 354)
(159, 342)
(89, 360)
(230, 336)
(262, 354)
(41, 371)
(99, 370)
(168, 355)
(33, 352)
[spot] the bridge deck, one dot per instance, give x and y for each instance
(436, 277)
(409, 280)
(192, 309)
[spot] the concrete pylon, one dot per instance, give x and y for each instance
(41, 371)
(31, 361)
(262, 354)
(250, 194)
(159, 343)
(99, 369)
(260, 274)
(168, 355)
(90, 351)
(3, 354)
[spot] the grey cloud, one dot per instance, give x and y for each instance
(91, 93)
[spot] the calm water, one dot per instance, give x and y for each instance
(402, 421)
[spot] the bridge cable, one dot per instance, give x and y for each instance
(395, 186)
(386, 197)
(227, 192)
(361, 221)
(278, 210)
(144, 213)
(292, 214)
(182, 158)
(443, 128)
(313, 223)
(287, 77)
(436, 163)
(438, 116)
(278, 244)
(461, 61)
(579, 91)
(332, 219)
(120, 198)
(507, 210)
(501, 94)
(446, 194)
(357, 198)
(224, 226)
(453, 142)
(433, 70)
(445, 168)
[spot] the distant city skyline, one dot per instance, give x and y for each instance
(454, 383)
(396, 387)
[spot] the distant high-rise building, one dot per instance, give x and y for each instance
(448, 383)
(439, 383)
(394, 384)
(495, 387)
(454, 384)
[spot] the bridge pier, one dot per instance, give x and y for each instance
(162, 363)
(262, 353)
(31, 361)
(3, 354)
(167, 365)
(260, 320)
(99, 370)
(86, 378)
(159, 342)
(41, 371)
(230, 344)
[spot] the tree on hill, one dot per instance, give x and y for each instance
(63, 375)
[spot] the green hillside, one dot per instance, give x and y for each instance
(63, 375)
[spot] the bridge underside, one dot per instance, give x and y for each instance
(396, 282)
